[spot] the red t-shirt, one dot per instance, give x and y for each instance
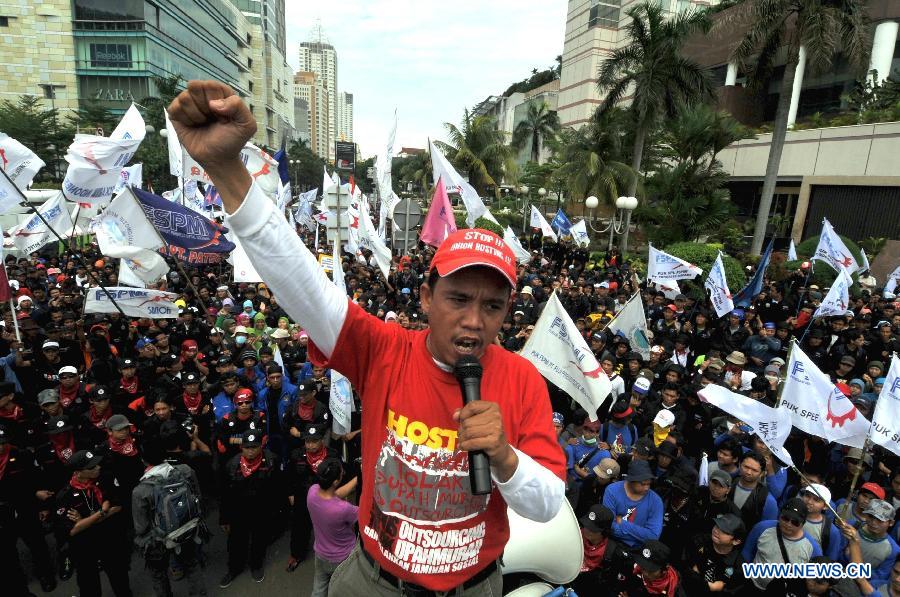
(417, 515)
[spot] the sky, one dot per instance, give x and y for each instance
(430, 59)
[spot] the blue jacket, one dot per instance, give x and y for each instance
(258, 383)
(641, 520)
(222, 405)
(835, 540)
(579, 450)
(7, 362)
(287, 397)
(881, 574)
(750, 545)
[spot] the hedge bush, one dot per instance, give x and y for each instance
(823, 274)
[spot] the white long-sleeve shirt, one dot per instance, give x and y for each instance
(307, 295)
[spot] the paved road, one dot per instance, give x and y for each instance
(277, 581)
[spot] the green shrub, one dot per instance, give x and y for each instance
(704, 255)
(479, 223)
(823, 274)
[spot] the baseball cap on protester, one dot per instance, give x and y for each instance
(818, 491)
(607, 469)
(664, 418)
(794, 509)
(558, 419)
(873, 488)
(191, 378)
(653, 556)
(84, 459)
(598, 519)
(474, 246)
(314, 431)
(252, 438)
(48, 396)
(117, 422)
(721, 477)
(67, 369)
(731, 524)
(881, 510)
(641, 385)
(243, 394)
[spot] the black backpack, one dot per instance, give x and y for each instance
(177, 510)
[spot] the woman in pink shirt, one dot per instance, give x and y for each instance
(333, 519)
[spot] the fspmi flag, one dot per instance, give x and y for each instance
(538, 221)
(32, 234)
(19, 162)
(832, 250)
(123, 231)
(662, 267)
(562, 223)
(886, 420)
(772, 425)
(817, 406)
(631, 324)
(718, 288)
(837, 300)
(135, 302)
(561, 354)
(580, 234)
(521, 253)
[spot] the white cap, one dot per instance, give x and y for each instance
(241, 330)
(50, 344)
(664, 418)
(390, 315)
(68, 369)
(22, 299)
(641, 385)
(816, 488)
(526, 290)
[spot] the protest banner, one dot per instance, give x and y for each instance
(662, 267)
(134, 302)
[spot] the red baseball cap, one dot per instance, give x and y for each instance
(874, 488)
(475, 246)
(243, 393)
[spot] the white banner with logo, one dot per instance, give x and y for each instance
(539, 221)
(135, 302)
(837, 300)
(662, 267)
(832, 250)
(886, 419)
(631, 324)
(718, 288)
(32, 234)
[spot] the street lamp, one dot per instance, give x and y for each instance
(542, 192)
(164, 133)
(618, 223)
(523, 190)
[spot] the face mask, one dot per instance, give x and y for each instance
(590, 441)
(240, 340)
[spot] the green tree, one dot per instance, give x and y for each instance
(591, 160)
(540, 123)
(652, 70)
(479, 149)
(415, 169)
(703, 256)
(92, 118)
(307, 173)
(823, 28)
(38, 129)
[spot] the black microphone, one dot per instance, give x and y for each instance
(468, 372)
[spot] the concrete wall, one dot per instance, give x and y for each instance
(861, 150)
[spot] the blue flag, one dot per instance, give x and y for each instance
(562, 223)
(281, 157)
(212, 197)
(745, 296)
(187, 233)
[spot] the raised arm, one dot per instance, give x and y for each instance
(213, 125)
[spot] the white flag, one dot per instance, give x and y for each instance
(580, 234)
(886, 420)
(340, 397)
(10, 195)
(792, 252)
(131, 127)
(123, 231)
(631, 324)
(243, 270)
(718, 288)
(772, 425)
(817, 406)
(670, 289)
(135, 302)
(19, 162)
(127, 277)
(522, 254)
(304, 210)
(176, 151)
(561, 354)
(32, 234)
(538, 221)
(89, 185)
(832, 250)
(837, 300)
(893, 280)
(129, 176)
(662, 267)
(455, 183)
(865, 260)
(369, 239)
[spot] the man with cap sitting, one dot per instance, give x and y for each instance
(301, 472)
(782, 540)
(20, 498)
(469, 290)
(637, 508)
(618, 434)
(90, 526)
(250, 500)
(818, 524)
(582, 457)
(653, 572)
(713, 562)
(872, 544)
(604, 557)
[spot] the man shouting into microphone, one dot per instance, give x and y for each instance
(422, 529)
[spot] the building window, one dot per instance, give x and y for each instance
(251, 86)
(249, 39)
(4, 21)
(604, 13)
(110, 55)
(249, 62)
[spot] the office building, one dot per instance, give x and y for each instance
(318, 56)
(308, 87)
(345, 116)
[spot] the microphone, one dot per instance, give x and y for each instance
(468, 372)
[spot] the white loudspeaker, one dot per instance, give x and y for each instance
(553, 550)
(537, 589)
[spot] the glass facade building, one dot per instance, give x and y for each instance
(121, 45)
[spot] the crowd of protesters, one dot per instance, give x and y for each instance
(91, 406)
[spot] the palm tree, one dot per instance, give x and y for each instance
(479, 148)
(590, 158)
(653, 72)
(698, 134)
(540, 123)
(823, 28)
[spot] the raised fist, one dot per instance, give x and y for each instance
(212, 123)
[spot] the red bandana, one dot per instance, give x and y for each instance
(192, 402)
(13, 415)
(99, 420)
(305, 411)
(129, 386)
(89, 487)
(63, 445)
(593, 554)
(249, 467)
(4, 458)
(66, 397)
(664, 585)
(124, 447)
(315, 459)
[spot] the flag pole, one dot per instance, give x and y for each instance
(76, 254)
(810, 487)
(15, 319)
